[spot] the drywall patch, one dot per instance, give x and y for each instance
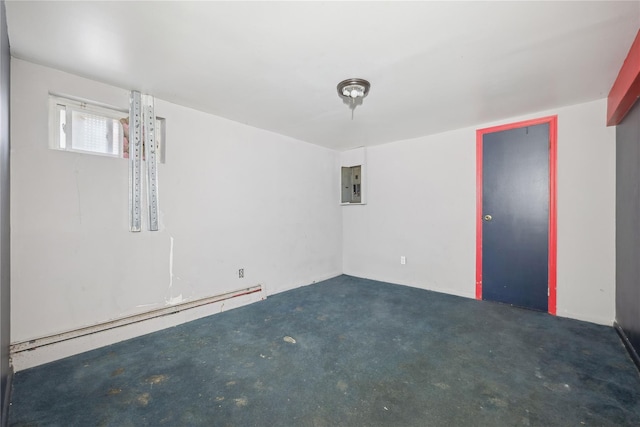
(174, 300)
(145, 305)
(170, 261)
(171, 300)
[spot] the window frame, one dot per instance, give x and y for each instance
(60, 104)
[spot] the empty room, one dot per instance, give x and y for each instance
(312, 213)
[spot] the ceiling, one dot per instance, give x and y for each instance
(433, 66)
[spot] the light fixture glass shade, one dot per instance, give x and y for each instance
(353, 88)
(353, 91)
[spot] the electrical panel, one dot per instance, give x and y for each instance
(351, 184)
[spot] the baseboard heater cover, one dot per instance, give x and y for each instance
(627, 344)
(4, 420)
(128, 320)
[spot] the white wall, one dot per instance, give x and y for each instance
(421, 204)
(586, 213)
(231, 196)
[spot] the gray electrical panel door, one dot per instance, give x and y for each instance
(351, 184)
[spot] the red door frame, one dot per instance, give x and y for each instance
(553, 244)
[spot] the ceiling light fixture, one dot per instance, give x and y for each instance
(353, 91)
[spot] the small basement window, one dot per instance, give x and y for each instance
(95, 129)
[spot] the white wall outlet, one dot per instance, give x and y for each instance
(403, 260)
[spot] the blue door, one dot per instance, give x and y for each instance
(515, 216)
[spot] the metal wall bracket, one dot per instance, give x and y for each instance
(142, 124)
(151, 158)
(135, 161)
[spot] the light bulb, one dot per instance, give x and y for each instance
(354, 93)
(345, 92)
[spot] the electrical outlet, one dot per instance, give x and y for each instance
(403, 260)
(241, 273)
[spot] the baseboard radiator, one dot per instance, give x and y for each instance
(627, 344)
(4, 420)
(33, 344)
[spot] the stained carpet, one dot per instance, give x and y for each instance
(345, 352)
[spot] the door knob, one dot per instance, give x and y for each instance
(488, 217)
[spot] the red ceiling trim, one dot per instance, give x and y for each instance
(626, 88)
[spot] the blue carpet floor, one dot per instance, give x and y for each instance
(345, 352)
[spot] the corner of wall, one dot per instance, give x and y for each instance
(5, 260)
